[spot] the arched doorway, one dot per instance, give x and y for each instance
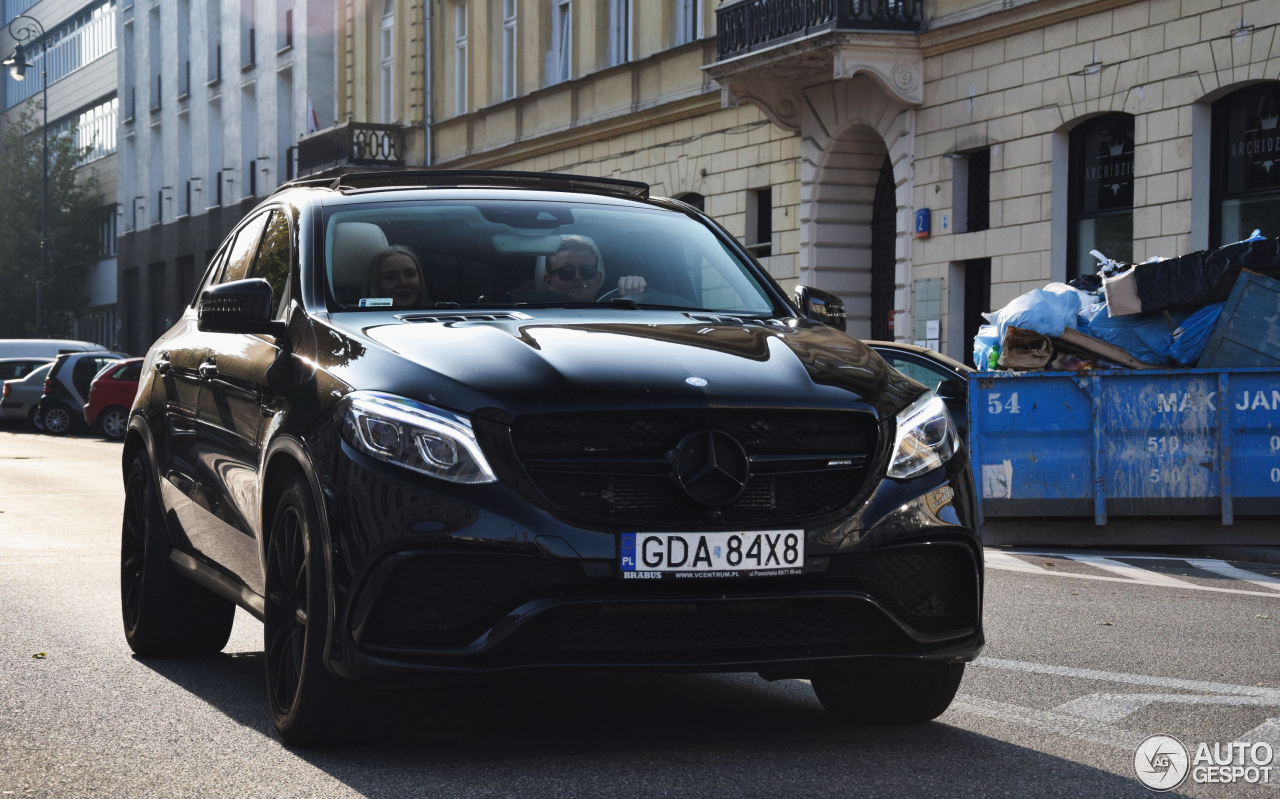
(853, 228)
(884, 234)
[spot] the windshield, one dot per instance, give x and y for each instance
(506, 253)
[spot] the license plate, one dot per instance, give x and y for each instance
(768, 553)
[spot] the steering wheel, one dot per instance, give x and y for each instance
(648, 297)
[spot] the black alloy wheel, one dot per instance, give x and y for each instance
(310, 705)
(113, 423)
(57, 420)
(164, 614)
(889, 697)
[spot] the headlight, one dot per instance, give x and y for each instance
(416, 436)
(926, 438)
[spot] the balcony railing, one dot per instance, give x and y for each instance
(747, 25)
(351, 144)
(87, 43)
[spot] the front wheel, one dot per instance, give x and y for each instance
(309, 704)
(164, 614)
(113, 423)
(57, 420)
(889, 697)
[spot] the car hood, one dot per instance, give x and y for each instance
(577, 360)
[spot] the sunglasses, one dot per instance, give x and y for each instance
(566, 273)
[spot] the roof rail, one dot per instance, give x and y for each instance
(314, 183)
(482, 178)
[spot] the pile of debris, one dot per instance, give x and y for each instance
(1163, 313)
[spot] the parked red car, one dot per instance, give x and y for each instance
(110, 396)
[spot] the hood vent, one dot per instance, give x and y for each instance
(717, 319)
(466, 316)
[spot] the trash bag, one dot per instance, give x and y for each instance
(1195, 279)
(984, 345)
(1025, 350)
(1185, 344)
(1144, 336)
(1047, 311)
(1089, 283)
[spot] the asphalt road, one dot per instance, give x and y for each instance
(1085, 660)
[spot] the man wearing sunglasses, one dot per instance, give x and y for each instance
(577, 271)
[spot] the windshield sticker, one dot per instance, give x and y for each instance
(375, 302)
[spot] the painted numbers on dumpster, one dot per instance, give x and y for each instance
(994, 405)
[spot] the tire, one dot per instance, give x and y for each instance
(34, 420)
(58, 420)
(309, 704)
(113, 423)
(884, 697)
(163, 612)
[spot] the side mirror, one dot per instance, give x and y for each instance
(953, 388)
(241, 306)
(821, 306)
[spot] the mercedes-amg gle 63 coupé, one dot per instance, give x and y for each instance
(449, 424)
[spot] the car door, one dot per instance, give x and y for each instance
(235, 407)
(176, 398)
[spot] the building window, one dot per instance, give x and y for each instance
(694, 199)
(386, 46)
(460, 58)
(248, 35)
(978, 203)
(686, 18)
(1246, 164)
(284, 24)
(619, 31)
(560, 59)
(213, 29)
(184, 48)
(760, 222)
(508, 49)
(107, 233)
(1100, 193)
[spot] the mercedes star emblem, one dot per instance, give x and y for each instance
(712, 467)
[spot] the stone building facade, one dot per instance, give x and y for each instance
(80, 36)
(928, 160)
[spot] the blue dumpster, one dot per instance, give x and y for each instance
(1113, 444)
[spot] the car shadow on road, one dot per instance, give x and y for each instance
(589, 734)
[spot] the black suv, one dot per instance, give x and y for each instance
(466, 422)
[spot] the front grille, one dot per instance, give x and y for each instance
(929, 587)
(457, 593)
(617, 466)
(811, 625)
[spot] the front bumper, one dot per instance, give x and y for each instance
(434, 577)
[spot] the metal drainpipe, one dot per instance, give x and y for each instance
(426, 81)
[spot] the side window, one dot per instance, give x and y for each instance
(275, 256)
(242, 250)
(131, 371)
(930, 378)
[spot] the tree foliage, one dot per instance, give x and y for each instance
(75, 209)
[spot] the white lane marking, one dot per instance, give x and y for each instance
(1227, 570)
(45, 561)
(1007, 562)
(1110, 708)
(1134, 573)
(997, 565)
(1169, 683)
(1048, 721)
(1269, 732)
